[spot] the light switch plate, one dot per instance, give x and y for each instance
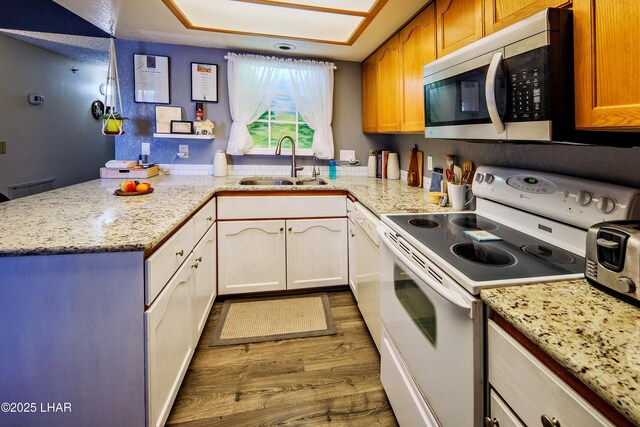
(3, 147)
(429, 163)
(346, 155)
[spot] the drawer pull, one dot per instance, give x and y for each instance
(195, 265)
(488, 422)
(209, 218)
(353, 234)
(199, 259)
(290, 229)
(181, 253)
(281, 229)
(549, 422)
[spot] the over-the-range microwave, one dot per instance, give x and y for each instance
(515, 84)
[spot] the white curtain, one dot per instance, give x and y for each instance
(253, 80)
(312, 91)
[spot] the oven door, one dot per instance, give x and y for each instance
(436, 328)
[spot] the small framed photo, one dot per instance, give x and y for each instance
(180, 126)
(151, 79)
(204, 82)
(164, 117)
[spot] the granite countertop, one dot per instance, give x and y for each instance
(88, 217)
(594, 335)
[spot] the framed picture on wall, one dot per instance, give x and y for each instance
(151, 79)
(181, 126)
(164, 117)
(204, 82)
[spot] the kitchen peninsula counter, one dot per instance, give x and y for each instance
(593, 335)
(89, 218)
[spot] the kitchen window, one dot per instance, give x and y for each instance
(271, 97)
(282, 118)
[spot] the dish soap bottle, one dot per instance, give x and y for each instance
(332, 169)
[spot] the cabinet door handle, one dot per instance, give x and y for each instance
(488, 422)
(281, 229)
(549, 421)
(199, 259)
(195, 265)
(353, 234)
(181, 253)
(209, 218)
(290, 229)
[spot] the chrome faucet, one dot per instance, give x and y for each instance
(294, 168)
(315, 173)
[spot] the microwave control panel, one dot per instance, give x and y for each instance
(526, 78)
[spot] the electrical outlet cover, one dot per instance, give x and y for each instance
(346, 155)
(429, 163)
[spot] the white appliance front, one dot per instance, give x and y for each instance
(436, 326)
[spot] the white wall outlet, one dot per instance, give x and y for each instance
(429, 163)
(184, 150)
(346, 155)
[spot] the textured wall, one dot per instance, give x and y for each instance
(59, 138)
(346, 117)
(617, 165)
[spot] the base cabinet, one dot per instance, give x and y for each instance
(257, 256)
(170, 345)
(204, 275)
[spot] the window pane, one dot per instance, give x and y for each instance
(264, 116)
(279, 130)
(305, 136)
(283, 107)
(259, 133)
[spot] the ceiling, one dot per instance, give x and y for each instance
(348, 30)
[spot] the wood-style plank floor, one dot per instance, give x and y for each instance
(331, 380)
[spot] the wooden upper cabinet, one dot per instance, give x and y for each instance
(389, 77)
(607, 63)
(459, 22)
(417, 48)
(499, 14)
(370, 95)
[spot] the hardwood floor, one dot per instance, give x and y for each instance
(330, 380)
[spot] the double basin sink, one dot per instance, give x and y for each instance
(282, 181)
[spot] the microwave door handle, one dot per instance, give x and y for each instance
(490, 92)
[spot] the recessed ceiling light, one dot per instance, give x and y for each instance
(284, 46)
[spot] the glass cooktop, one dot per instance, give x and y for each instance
(515, 255)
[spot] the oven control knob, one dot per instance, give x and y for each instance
(479, 177)
(606, 205)
(584, 198)
(489, 178)
(626, 285)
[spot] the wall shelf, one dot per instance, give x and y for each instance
(183, 136)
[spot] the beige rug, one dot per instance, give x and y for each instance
(245, 321)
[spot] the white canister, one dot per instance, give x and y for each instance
(393, 166)
(372, 166)
(220, 163)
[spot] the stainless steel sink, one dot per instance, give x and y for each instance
(315, 181)
(265, 181)
(282, 181)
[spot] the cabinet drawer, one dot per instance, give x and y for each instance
(258, 207)
(160, 266)
(204, 218)
(501, 414)
(531, 389)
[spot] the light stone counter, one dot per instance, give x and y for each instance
(88, 217)
(593, 335)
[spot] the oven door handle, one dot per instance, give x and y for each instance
(490, 92)
(446, 293)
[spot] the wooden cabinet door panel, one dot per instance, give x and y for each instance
(370, 95)
(204, 262)
(417, 48)
(499, 14)
(459, 22)
(251, 256)
(607, 63)
(389, 75)
(317, 253)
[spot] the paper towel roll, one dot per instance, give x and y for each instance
(393, 166)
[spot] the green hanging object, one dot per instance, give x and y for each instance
(112, 119)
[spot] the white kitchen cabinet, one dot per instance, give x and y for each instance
(169, 328)
(251, 256)
(204, 264)
(501, 414)
(316, 253)
(530, 389)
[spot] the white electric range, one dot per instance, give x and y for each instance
(432, 270)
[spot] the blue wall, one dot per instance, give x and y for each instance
(141, 124)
